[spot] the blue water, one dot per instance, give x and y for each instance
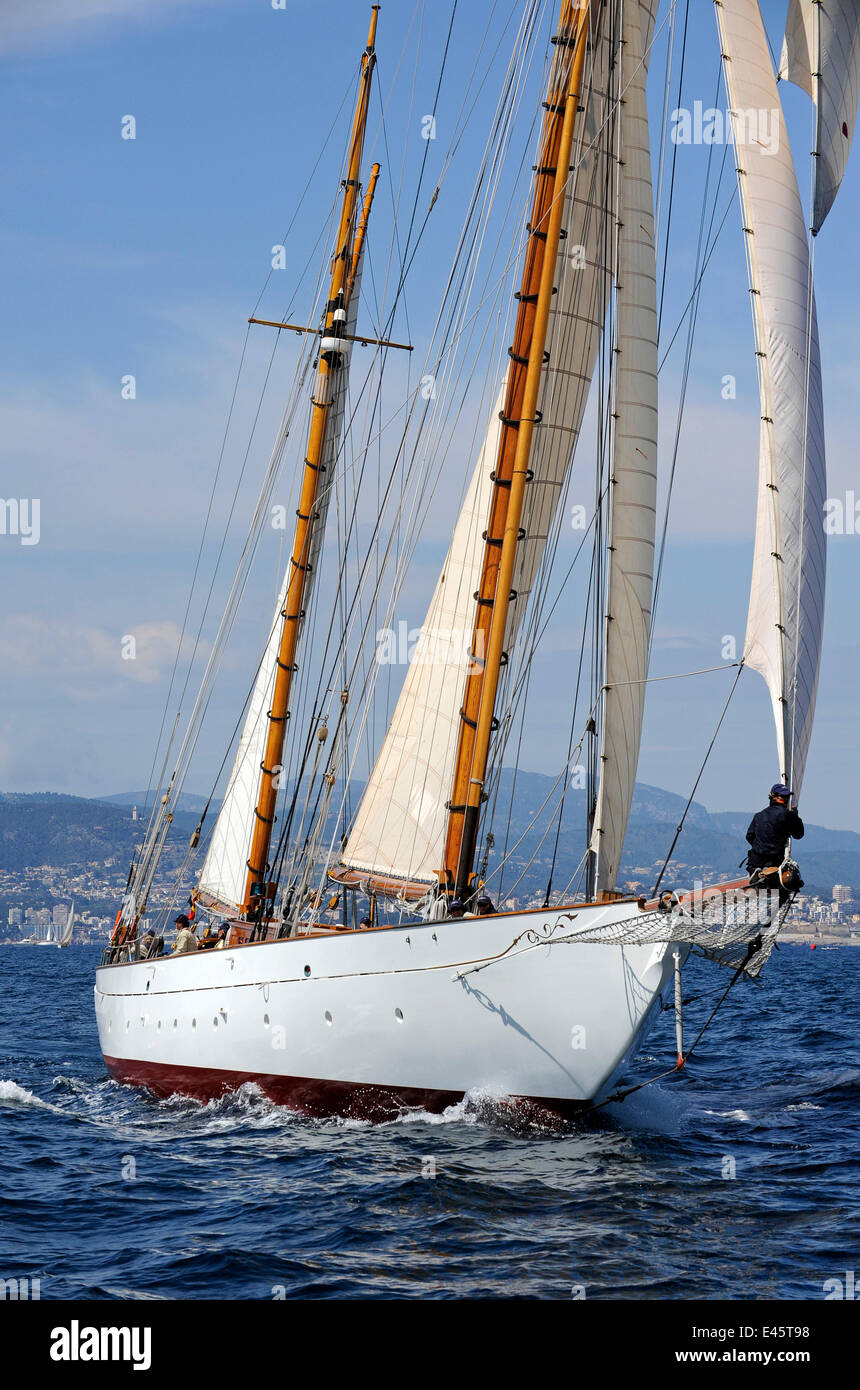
(240, 1199)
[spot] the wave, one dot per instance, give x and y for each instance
(13, 1094)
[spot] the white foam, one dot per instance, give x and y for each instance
(13, 1094)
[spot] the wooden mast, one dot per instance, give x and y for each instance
(343, 268)
(511, 476)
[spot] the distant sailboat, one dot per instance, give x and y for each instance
(406, 1000)
(66, 938)
(63, 938)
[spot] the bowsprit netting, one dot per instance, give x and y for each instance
(731, 929)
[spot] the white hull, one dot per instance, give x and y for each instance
(358, 1022)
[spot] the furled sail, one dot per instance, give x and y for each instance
(399, 827)
(225, 867)
(821, 54)
(633, 498)
(784, 626)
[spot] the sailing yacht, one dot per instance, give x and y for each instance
(68, 929)
(63, 938)
(365, 966)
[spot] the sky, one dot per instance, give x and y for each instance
(145, 258)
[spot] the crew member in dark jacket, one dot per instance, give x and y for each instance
(772, 828)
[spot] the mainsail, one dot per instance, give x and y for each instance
(400, 825)
(633, 492)
(784, 624)
(821, 54)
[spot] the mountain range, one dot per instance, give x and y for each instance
(66, 831)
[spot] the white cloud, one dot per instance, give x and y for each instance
(52, 22)
(83, 660)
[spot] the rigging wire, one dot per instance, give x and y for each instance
(810, 318)
(389, 483)
(492, 154)
(680, 826)
(418, 238)
(672, 175)
(220, 460)
(703, 256)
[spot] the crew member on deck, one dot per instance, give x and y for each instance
(771, 829)
(185, 938)
(483, 908)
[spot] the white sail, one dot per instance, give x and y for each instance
(225, 868)
(821, 54)
(401, 818)
(69, 928)
(784, 626)
(399, 827)
(633, 500)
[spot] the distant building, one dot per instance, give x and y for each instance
(60, 914)
(842, 893)
(15, 917)
(134, 813)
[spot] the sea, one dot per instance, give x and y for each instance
(736, 1178)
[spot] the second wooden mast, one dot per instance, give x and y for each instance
(512, 474)
(344, 263)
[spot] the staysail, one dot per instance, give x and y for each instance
(633, 498)
(400, 825)
(821, 54)
(784, 625)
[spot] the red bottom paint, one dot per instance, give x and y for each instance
(317, 1098)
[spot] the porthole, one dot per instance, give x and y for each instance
(328, 1018)
(215, 1021)
(265, 1020)
(398, 1014)
(194, 1023)
(127, 1024)
(158, 1026)
(307, 970)
(175, 1024)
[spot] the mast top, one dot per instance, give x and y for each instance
(371, 36)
